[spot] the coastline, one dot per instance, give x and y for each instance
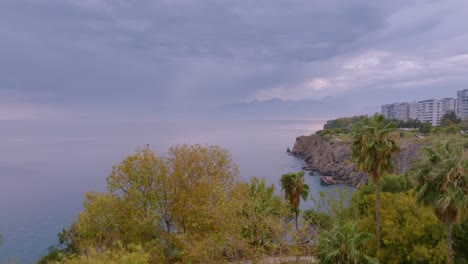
(332, 157)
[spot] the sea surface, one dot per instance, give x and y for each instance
(47, 166)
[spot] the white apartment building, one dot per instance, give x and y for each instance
(400, 111)
(432, 110)
(446, 105)
(387, 111)
(413, 110)
(462, 104)
(427, 111)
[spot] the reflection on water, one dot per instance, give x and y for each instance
(47, 166)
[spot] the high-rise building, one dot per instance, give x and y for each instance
(413, 110)
(400, 111)
(387, 111)
(427, 111)
(462, 104)
(448, 105)
(432, 110)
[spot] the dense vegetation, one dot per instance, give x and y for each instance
(188, 206)
(342, 125)
(450, 124)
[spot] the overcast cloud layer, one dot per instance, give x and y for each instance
(81, 58)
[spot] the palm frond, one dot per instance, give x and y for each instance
(441, 181)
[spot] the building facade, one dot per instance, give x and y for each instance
(427, 111)
(413, 110)
(400, 111)
(430, 110)
(446, 105)
(387, 111)
(462, 104)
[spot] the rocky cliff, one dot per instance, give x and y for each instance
(331, 157)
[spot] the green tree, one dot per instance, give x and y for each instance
(452, 129)
(450, 118)
(374, 142)
(437, 130)
(425, 128)
(262, 216)
(394, 183)
(179, 207)
(294, 188)
(442, 183)
(344, 244)
(410, 233)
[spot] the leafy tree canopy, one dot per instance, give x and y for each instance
(410, 233)
(425, 128)
(186, 206)
(450, 118)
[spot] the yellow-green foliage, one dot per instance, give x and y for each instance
(262, 214)
(133, 255)
(168, 204)
(186, 206)
(410, 233)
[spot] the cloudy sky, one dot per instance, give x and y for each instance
(87, 58)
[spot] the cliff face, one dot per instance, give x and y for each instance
(331, 157)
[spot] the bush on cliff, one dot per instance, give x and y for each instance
(184, 207)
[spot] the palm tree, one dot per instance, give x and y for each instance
(344, 244)
(374, 142)
(294, 189)
(442, 182)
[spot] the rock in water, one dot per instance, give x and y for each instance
(327, 180)
(288, 150)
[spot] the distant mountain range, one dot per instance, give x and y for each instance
(276, 107)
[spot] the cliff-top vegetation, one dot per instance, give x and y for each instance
(452, 129)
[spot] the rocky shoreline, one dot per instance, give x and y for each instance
(332, 158)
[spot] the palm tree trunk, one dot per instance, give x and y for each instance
(377, 214)
(297, 231)
(297, 216)
(448, 233)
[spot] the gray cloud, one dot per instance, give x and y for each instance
(147, 56)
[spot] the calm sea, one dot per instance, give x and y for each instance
(47, 166)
